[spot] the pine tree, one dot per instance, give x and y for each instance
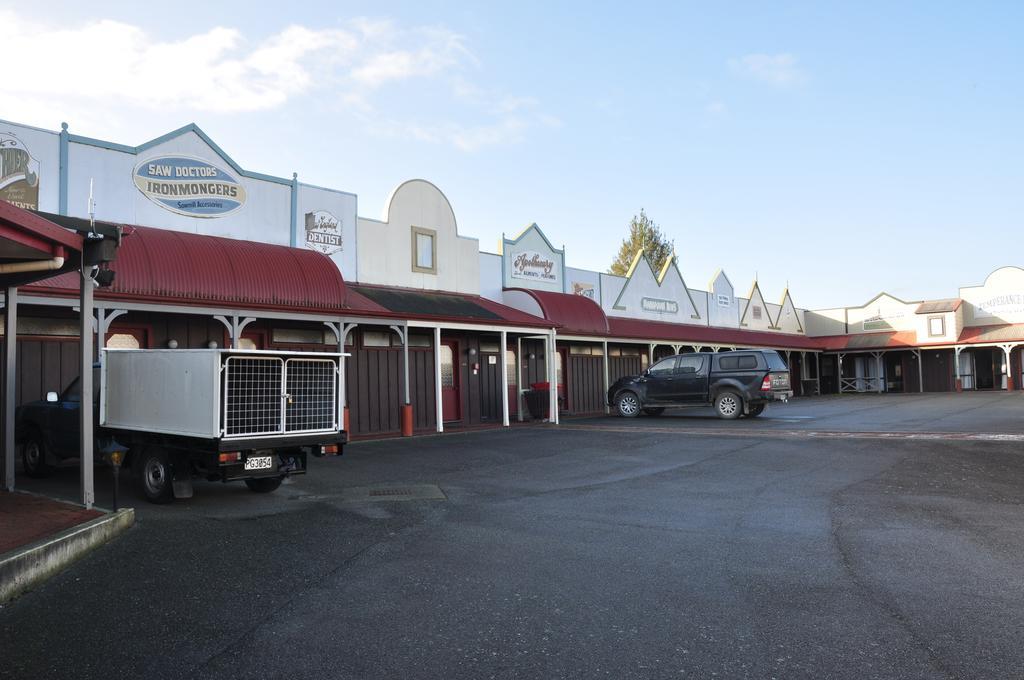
(643, 233)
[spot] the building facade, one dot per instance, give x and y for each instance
(440, 334)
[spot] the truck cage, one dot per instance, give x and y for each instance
(221, 393)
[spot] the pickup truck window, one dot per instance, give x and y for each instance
(689, 365)
(664, 367)
(775, 362)
(738, 362)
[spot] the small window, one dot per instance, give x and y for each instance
(510, 362)
(488, 346)
(420, 340)
(424, 250)
(687, 365)
(376, 339)
(936, 326)
(756, 310)
(664, 367)
(738, 362)
(123, 341)
(298, 336)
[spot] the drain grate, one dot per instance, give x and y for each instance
(392, 492)
(378, 494)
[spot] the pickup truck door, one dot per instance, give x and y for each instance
(692, 378)
(661, 380)
(63, 421)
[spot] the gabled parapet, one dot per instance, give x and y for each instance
(661, 296)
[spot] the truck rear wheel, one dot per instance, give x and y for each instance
(33, 457)
(153, 476)
(264, 484)
(728, 405)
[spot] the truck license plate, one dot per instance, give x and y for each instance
(259, 463)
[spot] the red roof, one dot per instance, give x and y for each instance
(684, 334)
(34, 231)
(165, 266)
(434, 305)
(574, 313)
(869, 341)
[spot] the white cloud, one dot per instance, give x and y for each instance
(96, 70)
(780, 70)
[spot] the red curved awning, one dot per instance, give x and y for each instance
(165, 266)
(576, 314)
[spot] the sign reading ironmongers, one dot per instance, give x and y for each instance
(19, 173)
(534, 266)
(658, 305)
(189, 186)
(323, 232)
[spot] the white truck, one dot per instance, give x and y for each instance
(224, 415)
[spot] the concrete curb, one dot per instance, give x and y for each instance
(25, 567)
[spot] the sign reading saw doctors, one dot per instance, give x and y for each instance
(189, 186)
(19, 173)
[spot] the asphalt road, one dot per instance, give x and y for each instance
(652, 548)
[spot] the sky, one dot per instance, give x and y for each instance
(840, 148)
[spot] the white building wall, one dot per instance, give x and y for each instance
(385, 246)
(583, 282)
(1000, 300)
(490, 276)
(265, 216)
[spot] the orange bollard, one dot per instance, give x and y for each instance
(407, 420)
(345, 419)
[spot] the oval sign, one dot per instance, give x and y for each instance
(189, 186)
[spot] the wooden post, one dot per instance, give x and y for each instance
(85, 380)
(504, 378)
(437, 379)
(10, 383)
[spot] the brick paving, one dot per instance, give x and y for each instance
(26, 518)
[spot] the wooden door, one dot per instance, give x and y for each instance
(451, 404)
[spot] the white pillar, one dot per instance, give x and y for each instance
(878, 370)
(553, 378)
(519, 379)
(607, 379)
(650, 354)
(504, 378)
(839, 372)
(85, 405)
(437, 379)
(10, 383)
(817, 371)
(1008, 373)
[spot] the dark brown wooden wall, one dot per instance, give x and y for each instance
(938, 370)
(44, 365)
(585, 384)
(619, 367)
(373, 389)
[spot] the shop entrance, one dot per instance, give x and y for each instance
(450, 402)
(985, 365)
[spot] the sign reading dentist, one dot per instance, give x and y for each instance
(189, 186)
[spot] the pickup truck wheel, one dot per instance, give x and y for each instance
(33, 457)
(153, 475)
(654, 411)
(756, 410)
(628, 405)
(264, 484)
(728, 405)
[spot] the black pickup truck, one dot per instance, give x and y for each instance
(736, 383)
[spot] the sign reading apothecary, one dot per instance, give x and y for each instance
(323, 232)
(19, 173)
(189, 186)
(534, 266)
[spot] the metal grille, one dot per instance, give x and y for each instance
(268, 395)
(252, 396)
(311, 395)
